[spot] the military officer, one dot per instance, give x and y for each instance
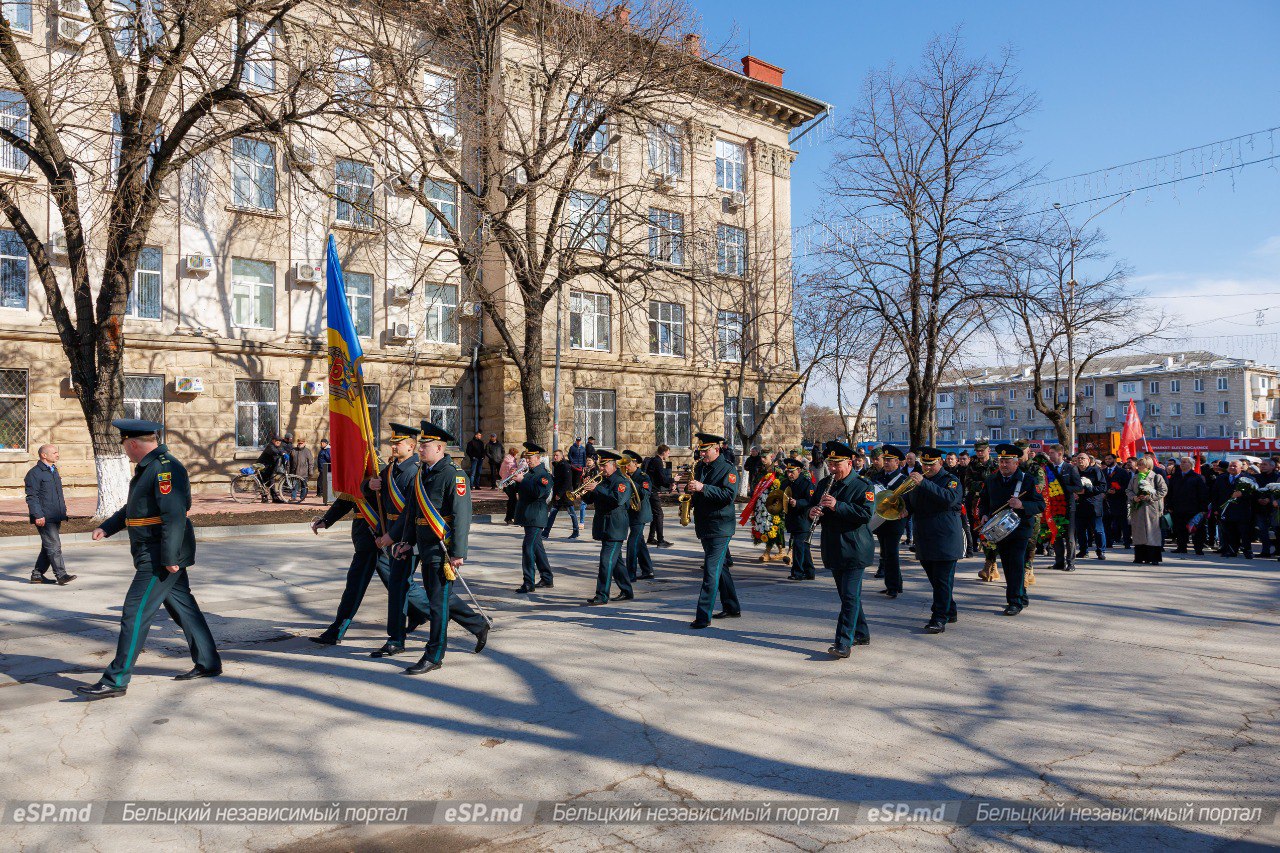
(844, 511)
(975, 476)
(797, 519)
(439, 515)
(610, 527)
(935, 504)
(387, 495)
(533, 488)
(714, 488)
(163, 545)
(889, 533)
(1014, 488)
(639, 563)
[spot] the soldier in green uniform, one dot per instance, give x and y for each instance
(976, 475)
(438, 513)
(844, 511)
(714, 488)
(889, 533)
(797, 521)
(163, 545)
(1033, 464)
(639, 563)
(387, 502)
(533, 488)
(1011, 486)
(610, 526)
(935, 505)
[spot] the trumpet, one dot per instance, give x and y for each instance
(588, 484)
(514, 475)
(683, 475)
(890, 505)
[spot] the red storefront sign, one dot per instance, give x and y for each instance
(1252, 446)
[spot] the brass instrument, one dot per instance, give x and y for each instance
(889, 504)
(683, 476)
(588, 484)
(634, 503)
(514, 475)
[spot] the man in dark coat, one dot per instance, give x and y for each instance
(302, 463)
(798, 524)
(843, 513)
(1069, 477)
(889, 532)
(714, 488)
(475, 458)
(1115, 503)
(935, 504)
(493, 453)
(1188, 497)
(1015, 489)
(610, 527)
(273, 460)
(47, 509)
(662, 483)
(1089, 524)
(563, 481)
(1233, 501)
(533, 486)
(638, 562)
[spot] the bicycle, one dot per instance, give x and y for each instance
(248, 486)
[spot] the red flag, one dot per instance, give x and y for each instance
(1131, 433)
(1196, 466)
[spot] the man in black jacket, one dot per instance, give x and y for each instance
(475, 458)
(47, 509)
(1233, 503)
(493, 454)
(1188, 497)
(273, 460)
(1011, 487)
(563, 481)
(1115, 503)
(1069, 477)
(1089, 510)
(660, 479)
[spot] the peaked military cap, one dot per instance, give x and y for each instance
(981, 443)
(837, 451)
(795, 463)
(706, 439)
(1022, 443)
(431, 432)
(399, 432)
(608, 455)
(631, 454)
(929, 454)
(893, 452)
(532, 447)
(1008, 451)
(134, 427)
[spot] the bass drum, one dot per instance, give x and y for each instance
(1000, 525)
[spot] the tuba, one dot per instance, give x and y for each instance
(683, 476)
(890, 505)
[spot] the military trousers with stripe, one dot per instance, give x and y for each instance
(149, 589)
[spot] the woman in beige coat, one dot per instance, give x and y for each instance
(1146, 492)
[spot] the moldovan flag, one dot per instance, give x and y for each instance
(1131, 432)
(351, 436)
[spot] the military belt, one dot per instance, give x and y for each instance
(143, 522)
(424, 521)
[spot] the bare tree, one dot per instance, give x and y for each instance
(864, 360)
(820, 422)
(930, 177)
(103, 122)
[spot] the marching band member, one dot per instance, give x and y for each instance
(610, 527)
(1015, 488)
(844, 510)
(889, 534)
(714, 488)
(799, 525)
(533, 486)
(639, 563)
(935, 504)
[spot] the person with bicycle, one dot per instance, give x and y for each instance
(273, 459)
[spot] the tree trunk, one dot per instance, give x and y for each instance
(537, 413)
(110, 463)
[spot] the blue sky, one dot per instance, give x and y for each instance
(1117, 81)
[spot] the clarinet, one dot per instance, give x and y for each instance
(816, 501)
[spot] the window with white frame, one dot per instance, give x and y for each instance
(446, 408)
(1128, 387)
(735, 407)
(1153, 408)
(144, 295)
(352, 77)
(594, 414)
(1013, 414)
(666, 155)
(731, 250)
(1222, 430)
(1031, 414)
(1222, 383)
(666, 236)
(1031, 393)
(1197, 384)
(1200, 408)
(257, 413)
(1153, 387)
(1013, 394)
(137, 26)
(1176, 431)
(359, 287)
(117, 146)
(440, 100)
(902, 418)
(144, 397)
(13, 409)
(1175, 386)
(997, 434)
(1199, 430)
(582, 115)
(889, 403)
(589, 321)
(353, 193)
(730, 330)
(260, 58)
(1088, 390)
(1224, 408)
(441, 325)
(588, 221)
(373, 396)
(13, 270)
(666, 330)
(15, 117)
(444, 195)
(253, 173)
(18, 14)
(253, 293)
(672, 419)
(1046, 393)
(1110, 410)
(1175, 410)
(731, 166)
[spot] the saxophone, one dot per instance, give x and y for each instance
(686, 499)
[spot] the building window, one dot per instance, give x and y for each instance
(1109, 389)
(1176, 431)
(1175, 409)
(1197, 385)
(13, 410)
(1110, 410)
(1224, 407)
(1175, 386)
(351, 76)
(359, 287)
(257, 413)
(1088, 390)
(731, 250)
(889, 403)
(13, 270)
(944, 399)
(253, 174)
(1013, 393)
(1128, 387)
(589, 321)
(730, 329)
(15, 118)
(442, 314)
(733, 407)
(446, 409)
(144, 398)
(666, 331)
(144, 295)
(672, 420)
(594, 414)
(1013, 433)
(666, 236)
(902, 418)
(253, 294)
(588, 221)
(444, 195)
(731, 166)
(583, 114)
(997, 434)
(1013, 414)
(18, 14)
(1031, 414)
(1153, 387)
(1222, 430)
(1153, 408)
(1200, 408)
(1222, 383)
(260, 64)
(666, 156)
(137, 25)
(117, 146)
(440, 101)
(353, 189)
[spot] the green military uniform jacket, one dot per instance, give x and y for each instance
(644, 514)
(611, 522)
(446, 486)
(156, 513)
(531, 497)
(975, 477)
(935, 510)
(713, 507)
(846, 541)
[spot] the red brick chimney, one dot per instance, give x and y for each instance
(758, 69)
(693, 43)
(621, 14)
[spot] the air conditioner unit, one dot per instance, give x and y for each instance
(664, 181)
(606, 164)
(199, 263)
(73, 9)
(310, 389)
(303, 156)
(73, 32)
(401, 294)
(58, 243)
(305, 273)
(188, 385)
(515, 180)
(403, 332)
(471, 309)
(737, 200)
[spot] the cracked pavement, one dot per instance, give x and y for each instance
(1120, 682)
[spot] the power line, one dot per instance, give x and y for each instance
(1225, 169)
